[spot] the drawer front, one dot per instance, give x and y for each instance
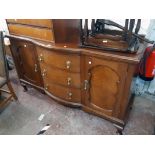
(68, 94)
(33, 32)
(68, 62)
(34, 22)
(60, 77)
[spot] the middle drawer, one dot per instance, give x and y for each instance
(61, 77)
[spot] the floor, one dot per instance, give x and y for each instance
(23, 118)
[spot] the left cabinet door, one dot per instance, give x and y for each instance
(25, 57)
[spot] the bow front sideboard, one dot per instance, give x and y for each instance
(48, 57)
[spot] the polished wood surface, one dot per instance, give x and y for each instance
(97, 81)
(69, 94)
(61, 77)
(32, 32)
(26, 61)
(34, 22)
(73, 48)
(64, 61)
(68, 29)
(105, 84)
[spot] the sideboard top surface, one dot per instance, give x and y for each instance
(70, 47)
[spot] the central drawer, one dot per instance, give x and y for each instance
(61, 77)
(65, 61)
(68, 94)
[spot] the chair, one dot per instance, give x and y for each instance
(4, 78)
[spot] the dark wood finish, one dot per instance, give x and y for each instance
(68, 29)
(32, 32)
(26, 62)
(94, 80)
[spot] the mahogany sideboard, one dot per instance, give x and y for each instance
(48, 57)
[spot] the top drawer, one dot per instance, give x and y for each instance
(66, 61)
(34, 22)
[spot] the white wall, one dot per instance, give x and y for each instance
(3, 26)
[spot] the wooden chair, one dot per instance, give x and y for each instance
(4, 78)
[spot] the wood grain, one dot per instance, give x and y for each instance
(59, 60)
(61, 77)
(34, 22)
(32, 32)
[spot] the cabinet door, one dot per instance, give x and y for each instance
(26, 62)
(103, 85)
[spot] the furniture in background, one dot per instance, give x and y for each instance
(48, 57)
(4, 78)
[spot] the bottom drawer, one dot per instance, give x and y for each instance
(68, 94)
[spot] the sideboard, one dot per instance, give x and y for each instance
(48, 57)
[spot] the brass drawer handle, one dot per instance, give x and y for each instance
(68, 64)
(70, 95)
(41, 58)
(46, 87)
(36, 68)
(69, 81)
(44, 73)
(86, 84)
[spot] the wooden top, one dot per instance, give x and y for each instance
(46, 23)
(117, 56)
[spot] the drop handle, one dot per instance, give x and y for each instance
(36, 68)
(68, 64)
(41, 59)
(44, 73)
(70, 95)
(86, 84)
(46, 87)
(69, 81)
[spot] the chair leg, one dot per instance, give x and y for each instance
(12, 91)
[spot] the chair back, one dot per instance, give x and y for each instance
(3, 63)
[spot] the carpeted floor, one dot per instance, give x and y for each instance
(22, 119)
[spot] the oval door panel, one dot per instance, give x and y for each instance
(104, 88)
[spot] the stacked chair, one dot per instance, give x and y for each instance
(4, 79)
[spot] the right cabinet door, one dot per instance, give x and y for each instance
(103, 85)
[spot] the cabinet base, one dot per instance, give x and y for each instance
(63, 102)
(25, 87)
(118, 124)
(26, 84)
